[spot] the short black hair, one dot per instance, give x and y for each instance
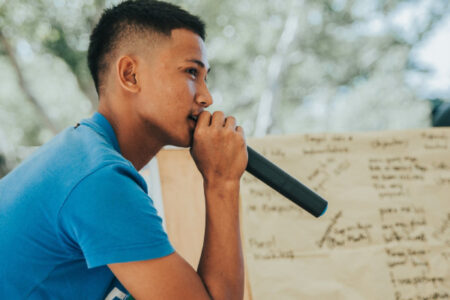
(138, 16)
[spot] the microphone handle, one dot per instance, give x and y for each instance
(285, 184)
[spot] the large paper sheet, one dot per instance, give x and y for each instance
(386, 234)
(184, 205)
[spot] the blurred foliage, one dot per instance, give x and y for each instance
(278, 66)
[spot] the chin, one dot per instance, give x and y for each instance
(181, 137)
(184, 145)
(188, 139)
(184, 141)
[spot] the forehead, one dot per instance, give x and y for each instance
(184, 45)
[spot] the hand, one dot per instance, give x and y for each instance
(219, 149)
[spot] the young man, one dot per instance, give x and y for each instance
(75, 215)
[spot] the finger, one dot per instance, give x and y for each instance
(204, 119)
(218, 119)
(230, 122)
(240, 130)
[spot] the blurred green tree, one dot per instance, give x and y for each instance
(278, 66)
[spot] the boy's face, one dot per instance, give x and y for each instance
(173, 88)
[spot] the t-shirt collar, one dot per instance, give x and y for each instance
(102, 124)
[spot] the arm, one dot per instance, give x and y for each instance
(219, 151)
(221, 262)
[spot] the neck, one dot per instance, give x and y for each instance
(135, 143)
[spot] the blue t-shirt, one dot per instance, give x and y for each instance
(72, 207)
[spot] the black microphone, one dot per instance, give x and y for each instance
(285, 184)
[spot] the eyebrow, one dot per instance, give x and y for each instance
(201, 64)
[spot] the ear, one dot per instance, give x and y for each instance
(127, 75)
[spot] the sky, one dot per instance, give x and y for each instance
(435, 53)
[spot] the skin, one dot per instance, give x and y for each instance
(147, 95)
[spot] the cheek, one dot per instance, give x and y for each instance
(184, 89)
(191, 88)
(174, 90)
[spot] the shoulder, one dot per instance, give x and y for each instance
(95, 158)
(110, 178)
(110, 217)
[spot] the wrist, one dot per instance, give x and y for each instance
(221, 194)
(222, 184)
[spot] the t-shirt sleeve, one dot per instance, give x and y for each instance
(111, 219)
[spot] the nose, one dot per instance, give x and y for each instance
(203, 96)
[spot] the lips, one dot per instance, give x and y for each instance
(192, 121)
(192, 117)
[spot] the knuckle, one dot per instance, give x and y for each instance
(242, 139)
(218, 113)
(200, 131)
(225, 133)
(215, 133)
(205, 113)
(229, 128)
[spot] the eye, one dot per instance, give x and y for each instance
(193, 72)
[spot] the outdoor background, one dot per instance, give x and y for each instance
(280, 67)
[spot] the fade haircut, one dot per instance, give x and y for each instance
(135, 19)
